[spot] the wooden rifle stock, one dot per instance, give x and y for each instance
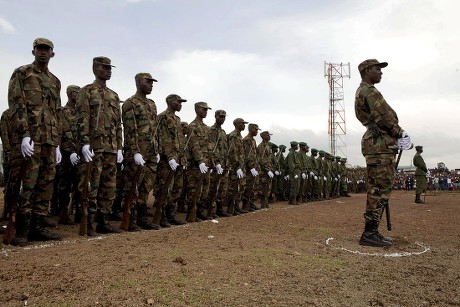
(192, 212)
(130, 199)
(84, 199)
(10, 231)
(387, 206)
(163, 196)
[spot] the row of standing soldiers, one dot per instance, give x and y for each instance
(190, 167)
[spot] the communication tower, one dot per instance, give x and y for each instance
(337, 128)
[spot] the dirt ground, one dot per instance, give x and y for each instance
(305, 255)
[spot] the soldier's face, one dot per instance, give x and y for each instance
(176, 105)
(240, 126)
(73, 96)
(375, 73)
(43, 54)
(220, 119)
(254, 131)
(145, 86)
(201, 112)
(103, 72)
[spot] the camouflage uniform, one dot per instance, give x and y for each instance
(420, 173)
(264, 153)
(99, 125)
(314, 175)
(5, 128)
(293, 170)
(276, 168)
(281, 182)
(305, 167)
(251, 162)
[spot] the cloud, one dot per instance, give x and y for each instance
(6, 26)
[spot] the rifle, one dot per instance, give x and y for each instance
(192, 213)
(214, 196)
(163, 196)
(10, 232)
(84, 199)
(386, 208)
(130, 199)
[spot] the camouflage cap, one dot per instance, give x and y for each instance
(419, 147)
(202, 104)
(72, 88)
(253, 126)
(220, 113)
(294, 143)
(43, 41)
(172, 97)
(144, 75)
(265, 133)
(239, 120)
(371, 62)
(102, 60)
(282, 147)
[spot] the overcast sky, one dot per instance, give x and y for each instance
(262, 60)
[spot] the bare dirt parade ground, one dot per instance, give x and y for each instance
(304, 255)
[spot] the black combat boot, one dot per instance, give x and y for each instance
(200, 212)
(22, 229)
(220, 210)
(142, 219)
(371, 236)
(418, 200)
(171, 215)
(231, 207)
(39, 232)
(164, 221)
(103, 225)
(132, 227)
(90, 232)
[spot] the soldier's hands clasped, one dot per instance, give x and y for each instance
(138, 159)
(173, 164)
(27, 147)
(87, 153)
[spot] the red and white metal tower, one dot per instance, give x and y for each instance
(337, 128)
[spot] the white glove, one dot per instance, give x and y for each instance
(27, 147)
(87, 154)
(74, 159)
(138, 159)
(270, 174)
(203, 168)
(219, 169)
(277, 173)
(324, 178)
(158, 158)
(304, 175)
(254, 172)
(119, 156)
(296, 176)
(287, 177)
(239, 173)
(316, 177)
(338, 176)
(405, 142)
(173, 164)
(312, 174)
(58, 155)
(335, 179)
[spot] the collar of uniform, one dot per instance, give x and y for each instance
(37, 68)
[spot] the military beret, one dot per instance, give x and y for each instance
(418, 147)
(314, 150)
(274, 145)
(337, 158)
(102, 60)
(303, 144)
(144, 75)
(202, 104)
(282, 147)
(265, 133)
(294, 143)
(253, 126)
(322, 152)
(172, 97)
(239, 120)
(43, 41)
(220, 113)
(343, 159)
(371, 62)
(72, 88)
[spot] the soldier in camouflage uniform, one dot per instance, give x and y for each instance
(276, 167)
(281, 182)
(5, 128)
(252, 168)
(100, 133)
(172, 158)
(314, 175)
(305, 168)
(379, 146)
(219, 178)
(264, 153)
(139, 115)
(67, 175)
(293, 171)
(344, 178)
(236, 166)
(181, 199)
(33, 100)
(199, 158)
(420, 173)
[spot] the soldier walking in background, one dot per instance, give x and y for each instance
(420, 174)
(100, 133)
(35, 141)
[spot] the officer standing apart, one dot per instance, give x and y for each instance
(420, 174)
(100, 133)
(379, 145)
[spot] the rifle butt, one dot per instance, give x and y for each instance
(387, 212)
(84, 221)
(10, 231)
(192, 215)
(157, 214)
(124, 224)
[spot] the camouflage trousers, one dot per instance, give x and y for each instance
(235, 186)
(102, 186)
(250, 188)
(264, 187)
(176, 186)
(380, 174)
(37, 184)
(196, 180)
(421, 184)
(218, 186)
(147, 179)
(67, 180)
(343, 184)
(294, 185)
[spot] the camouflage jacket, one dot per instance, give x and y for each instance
(314, 165)
(420, 165)
(264, 152)
(236, 151)
(381, 121)
(172, 141)
(219, 145)
(292, 162)
(68, 118)
(99, 118)
(5, 127)
(139, 116)
(250, 153)
(305, 163)
(33, 99)
(200, 144)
